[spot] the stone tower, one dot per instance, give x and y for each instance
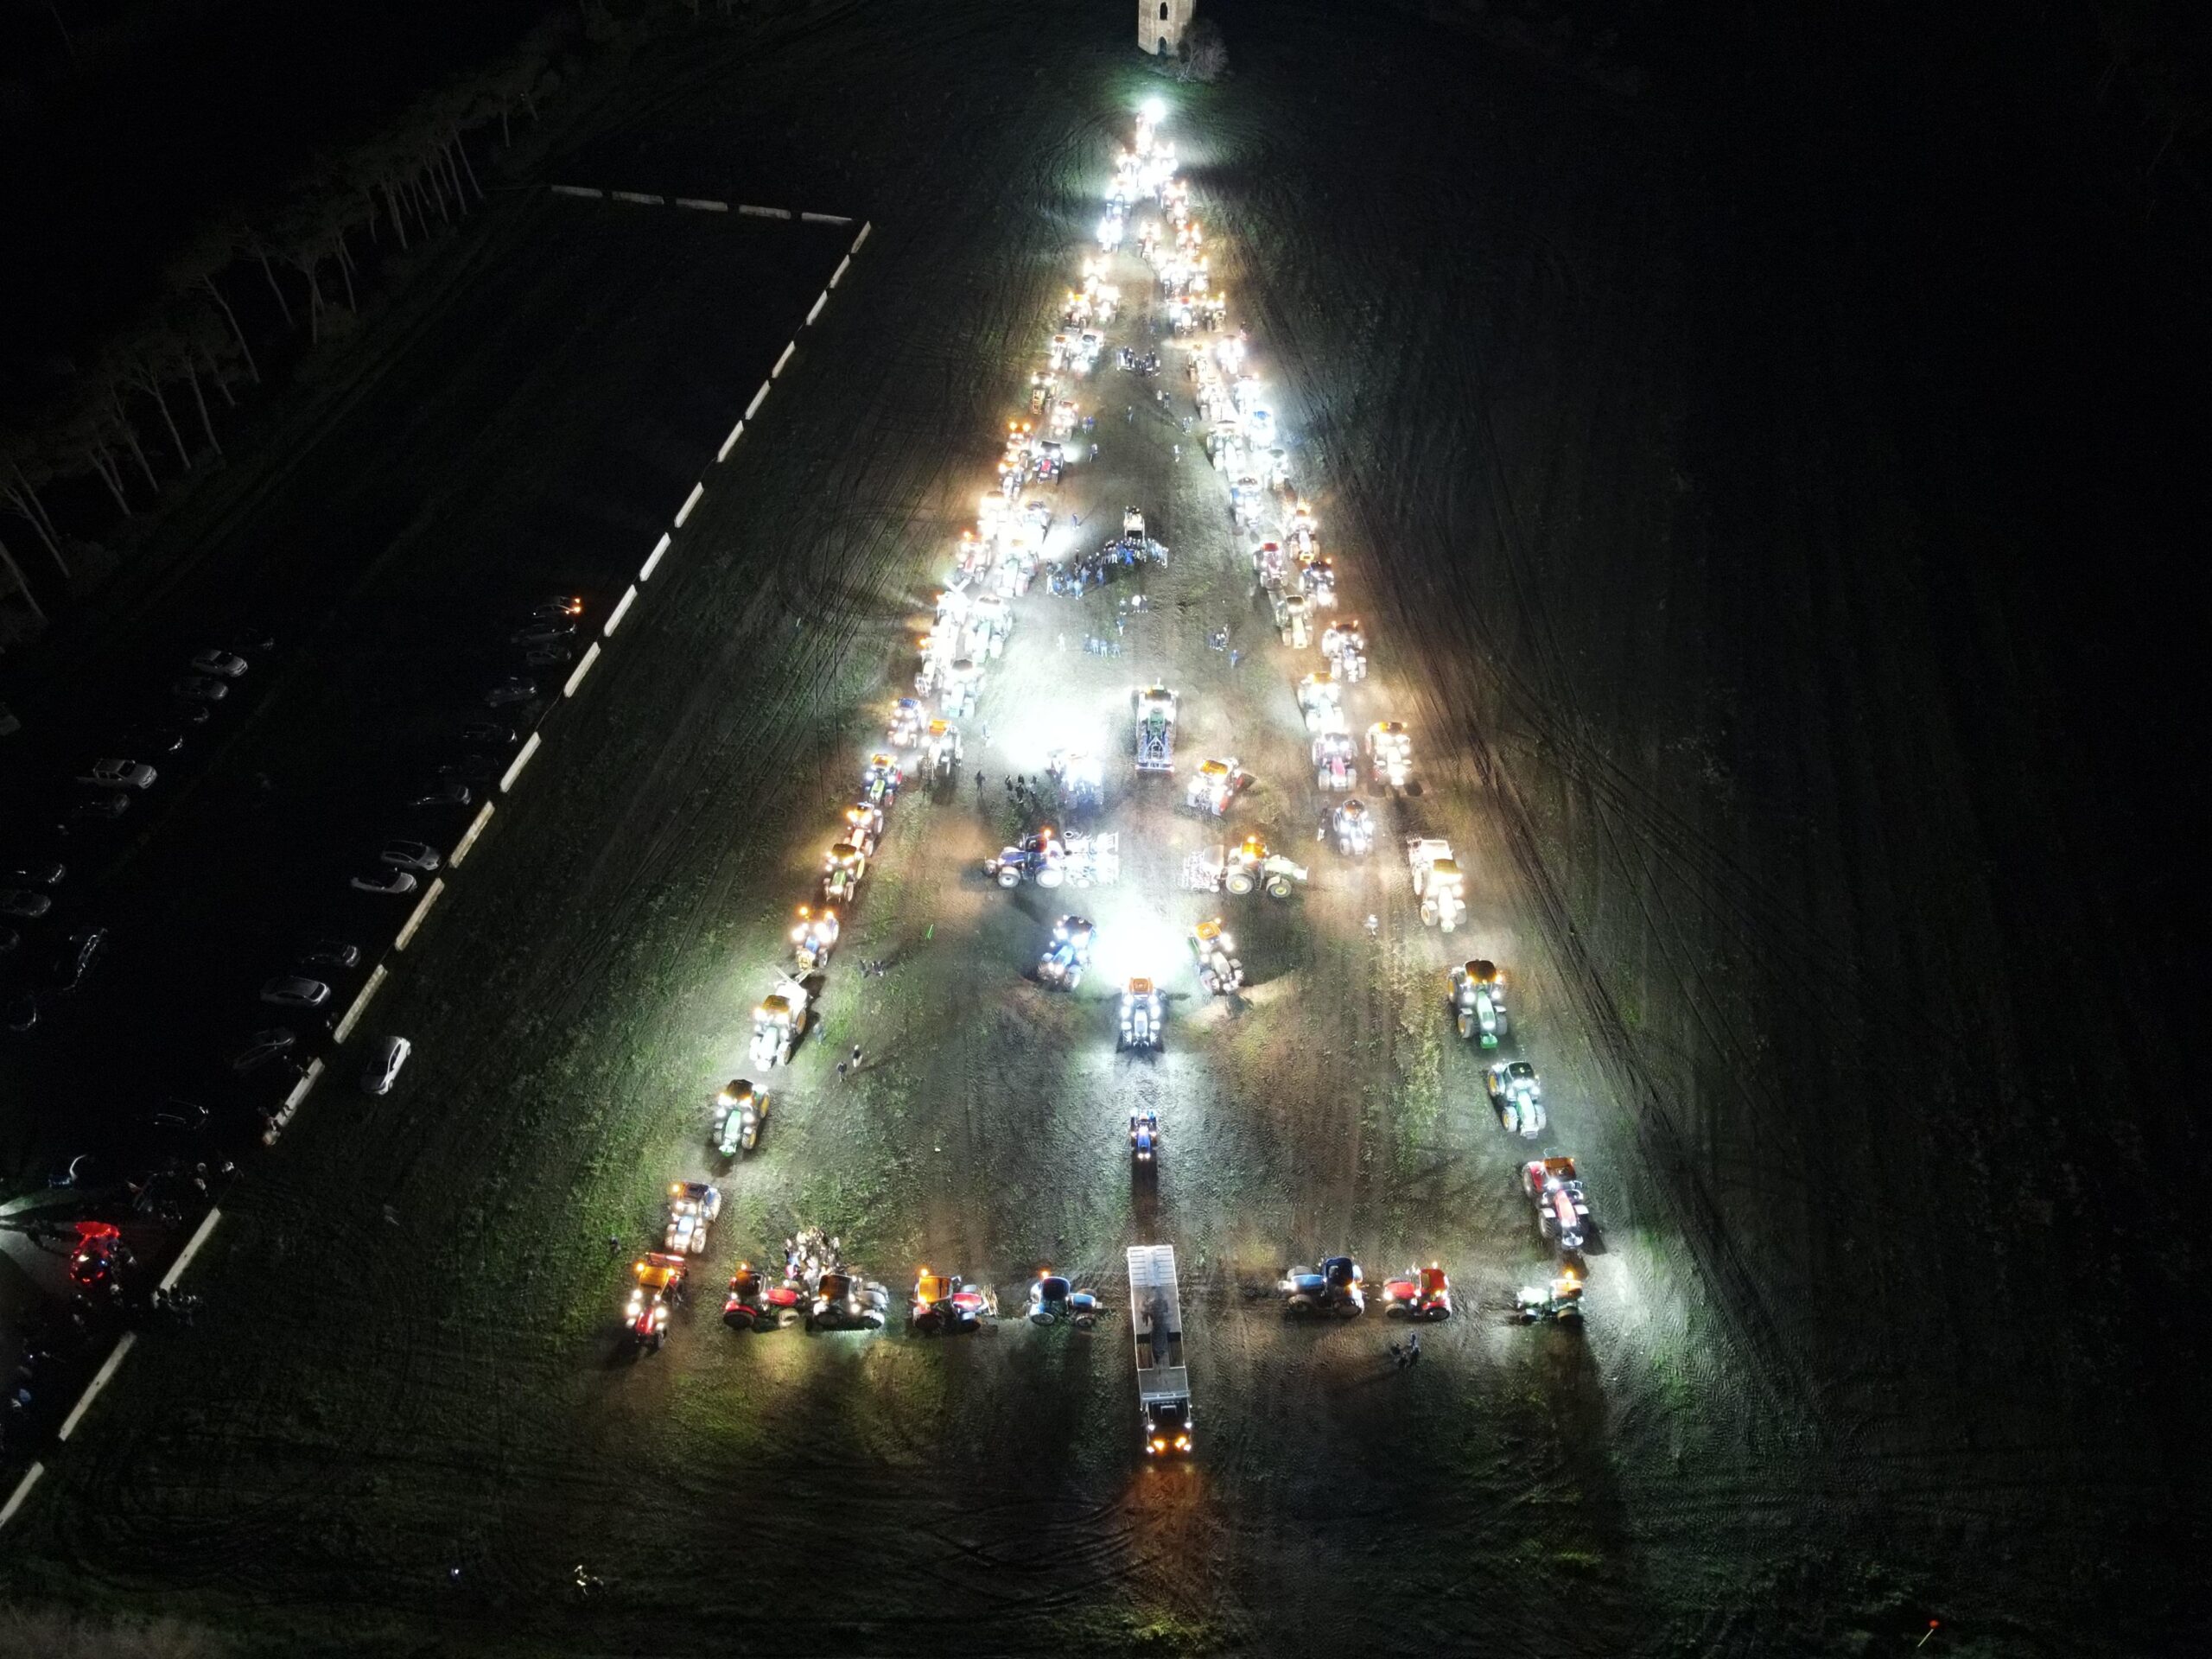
(1161, 24)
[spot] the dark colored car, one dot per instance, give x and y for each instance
(79, 951)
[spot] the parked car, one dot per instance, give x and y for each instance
(162, 742)
(93, 810)
(78, 952)
(557, 605)
(10, 941)
(38, 873)
(178, 1117)
(189, 714)
(262, 1048)
(512, 689)
(200, 688)
(386, 1056)
(23, 904)
(22, 1013)
(452, 792)
(224, 664)
(490, 734)
(118, 774)
(469, 769)
(330, 953)
(410, 855)
(551, 656)
(544, 633)
(290, 991)
(395, 882)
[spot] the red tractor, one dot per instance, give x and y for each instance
(754, 1304)
(1419, 1294)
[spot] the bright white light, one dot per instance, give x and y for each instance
(1154, 111)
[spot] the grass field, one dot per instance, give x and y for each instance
(1635, 581)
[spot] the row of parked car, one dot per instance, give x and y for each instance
(307, 993)
(107, 788)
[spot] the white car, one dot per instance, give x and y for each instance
(118, 774)
(385, 1057)
(290, 991)
(228, 665)
(410, 855)
(395, 882)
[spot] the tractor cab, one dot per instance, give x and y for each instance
(656, 1282)
(1054, 1301)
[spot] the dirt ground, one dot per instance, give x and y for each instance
(1642, 574)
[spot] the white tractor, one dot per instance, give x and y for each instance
(1142, 1008)
(1246, 868)
(1320, 700)
(1353, 826)
(963, 684)
(1294, 619)
(778, 1023)
(943, 750)
(1133, 525)
(1220, 974)
(989, 621)
(1214, 786)
(1437, 882)
(1391, 753)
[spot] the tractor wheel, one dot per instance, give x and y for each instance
(1466, 1026)
(1278, 887)
(1051, 879)
(1240, 883)
(1009, 877)
(1429, 915)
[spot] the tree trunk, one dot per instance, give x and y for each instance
(375, 213)
(25, 491)
(530, 103)
(461, 147)
(23, 587)
(191, 372)
(215, 373)
(236, 333)
(130, 436)
(453, 177)
(437, 190)
(29, 509)
(111, 475)
(345, 269)
(283, 304)
(398, 218)
(152, 383)
(506, 134)
(315, 302)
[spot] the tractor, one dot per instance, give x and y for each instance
(656, 1284)
(814, 936)
(1142, 1008)
(946, 1305)
(1219, 971)
(1066, 954)
(1419, 1294)
(1337, 1287)
(740, 1113)
(1478, 1001)
(1054, 1301)
(778, 1024)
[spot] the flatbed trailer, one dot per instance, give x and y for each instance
(1156, 1321)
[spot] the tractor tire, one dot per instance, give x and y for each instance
(1009, 878)
(1278, 887)
(1050, 878)
(1429, 915)
(1240, 883)
(1466, 1026)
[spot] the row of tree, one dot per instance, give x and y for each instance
(144, 408)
